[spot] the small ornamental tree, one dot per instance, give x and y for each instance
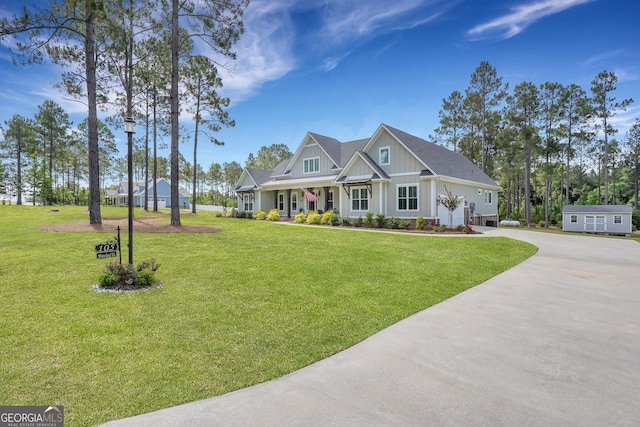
(451, 202)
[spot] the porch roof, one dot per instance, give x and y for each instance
(358, 179)
(245, 189)
(316, 181)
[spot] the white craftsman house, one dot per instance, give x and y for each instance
(391, 173)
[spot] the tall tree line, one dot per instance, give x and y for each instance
(45, 155)
(46, 160)
(119, 46)
(546, 144)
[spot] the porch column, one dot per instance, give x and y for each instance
(326, 198)
(289, 203)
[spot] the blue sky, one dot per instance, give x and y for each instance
(342, 67)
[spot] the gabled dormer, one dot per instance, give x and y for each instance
(317, 155)
(391, 153)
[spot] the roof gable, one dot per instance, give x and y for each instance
(439, 160)
(259, 176)
(349, 148)
(435, 160)
(329, 146)
(376, 170)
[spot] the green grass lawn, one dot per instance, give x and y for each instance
(239, 307)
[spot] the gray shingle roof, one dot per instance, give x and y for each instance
(381, 173)
(331, 146)
(258, 175)
(442, 161)
(280, 168)
(348, 148)
(597, 209)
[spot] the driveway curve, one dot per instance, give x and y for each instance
(555, 341)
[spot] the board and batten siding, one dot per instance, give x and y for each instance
(472, 194)
(310, 150)
(412, 178)
(400, 160)
(360, 167)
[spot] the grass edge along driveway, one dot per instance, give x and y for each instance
(239, 307)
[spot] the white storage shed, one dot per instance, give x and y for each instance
(605, 219)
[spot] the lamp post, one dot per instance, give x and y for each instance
(130, 128)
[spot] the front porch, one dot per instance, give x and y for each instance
(290, 201)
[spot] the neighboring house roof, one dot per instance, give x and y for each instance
(111, 193)
(597, 209)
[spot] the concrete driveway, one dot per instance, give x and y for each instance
(554, 341)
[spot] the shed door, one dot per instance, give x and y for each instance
(589, 223)
(595, 223)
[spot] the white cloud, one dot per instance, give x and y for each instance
(332, 62)
(264, 51)
(604, 57)
(625, 74)
(520, 18)
(277, 40)
(349, 20)
(70, 106)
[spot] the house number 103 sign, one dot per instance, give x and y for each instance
(108, 249)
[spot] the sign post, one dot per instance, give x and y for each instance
(109, 248)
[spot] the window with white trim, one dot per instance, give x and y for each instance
(281, 202)
(311, 165)
(574, 218)
(407, 197)
(359, 199)
(294, 202)
(617, 219)
(248, 202)
(384, 156)
(488, 197)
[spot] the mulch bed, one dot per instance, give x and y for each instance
(118, 289)
(143, 225)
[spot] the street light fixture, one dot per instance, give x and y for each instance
(129, 125)
(130, 129)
